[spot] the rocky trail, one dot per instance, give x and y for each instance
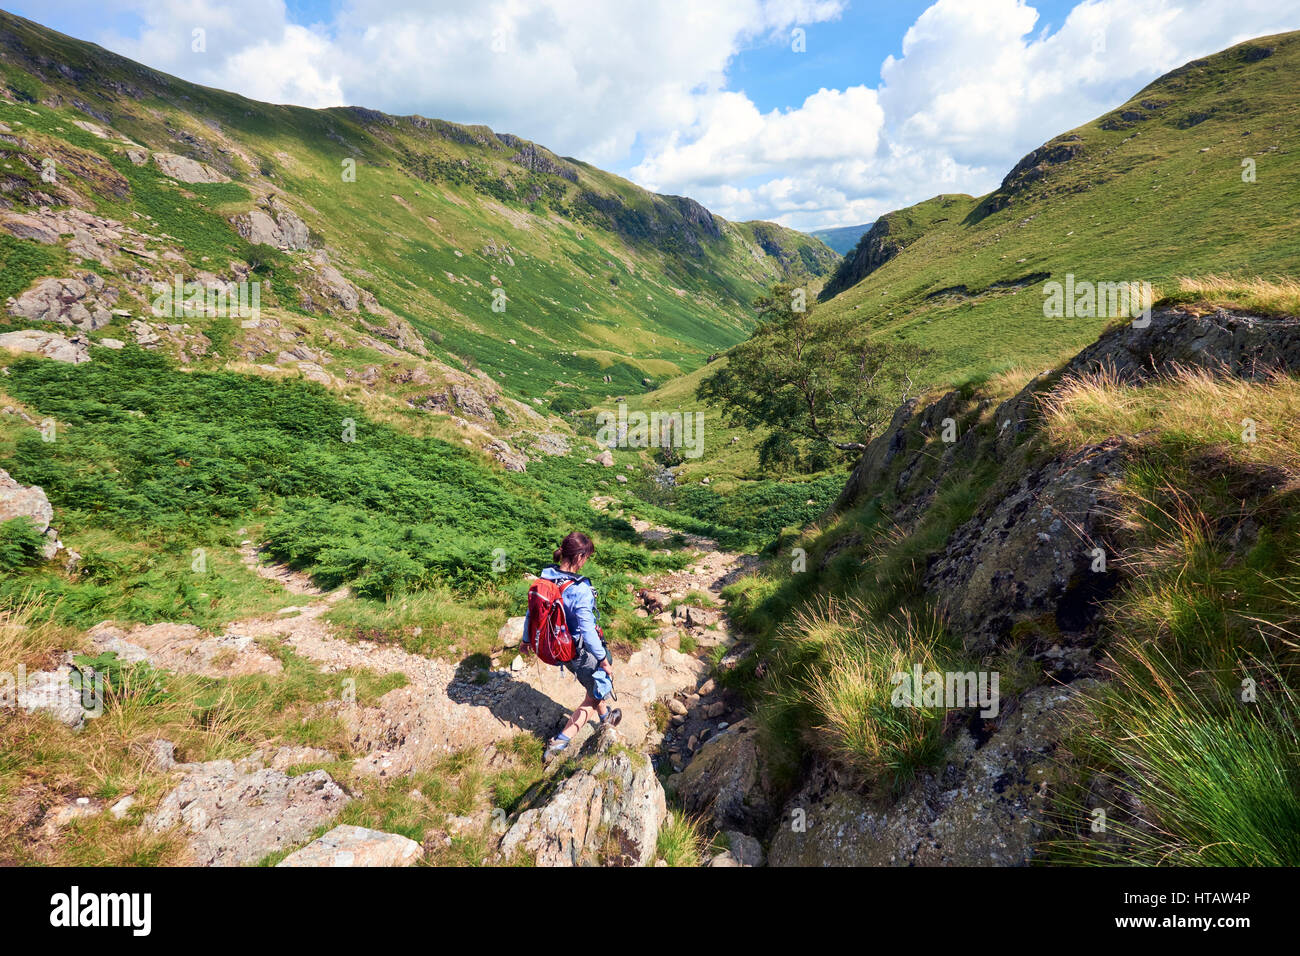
(237, 812)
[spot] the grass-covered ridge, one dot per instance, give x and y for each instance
(1157, 189)
(601, 277)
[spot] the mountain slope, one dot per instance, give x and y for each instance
(600, 278)
(841, 238)
(1194, 175)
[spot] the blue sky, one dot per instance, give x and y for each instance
(888, 104)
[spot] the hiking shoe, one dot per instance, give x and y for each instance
(612, 717)
(554, 748)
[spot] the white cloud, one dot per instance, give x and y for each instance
(977, 85)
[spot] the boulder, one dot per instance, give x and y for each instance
(728, 782)
(356, 846)
(232, 817)
(24, 501)
(83, 302)
(52, 693)
(512, 632)
(985, 807)
(605, 458)
(188, 170)
(607, 813)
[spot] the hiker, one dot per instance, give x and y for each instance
(560, 627)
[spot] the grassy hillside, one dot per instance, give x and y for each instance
(1158, 190)
(601, 278)
(1151, 191)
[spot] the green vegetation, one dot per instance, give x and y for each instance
(819, 389)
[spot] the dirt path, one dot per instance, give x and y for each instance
(445, 707)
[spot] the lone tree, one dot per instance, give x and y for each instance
(819, 388)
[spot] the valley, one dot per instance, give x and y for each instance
(295, 402)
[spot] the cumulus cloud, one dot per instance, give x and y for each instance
(974, 90)
(643, 88)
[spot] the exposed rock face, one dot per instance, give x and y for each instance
(1034, 167)
(52, 693)
(552, 443)
(470, 401)
(1028, 555)
(275, 225)
(873, 250)
(236, 815)
(609, 814)
(1244, 346)
(188, 170)
(356, 846)
(511, 459)
(985, 808)
(728, 781)
(84, 302)
(24, 501)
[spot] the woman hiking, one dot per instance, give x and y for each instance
(566, 609)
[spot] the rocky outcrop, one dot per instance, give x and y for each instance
(728, 782)
(1034, 167)
(187, 170)
(552, 443)
(356, 846)
(510, 458)
(607, 813)
(1244, 346)
(84, 302)
(471, 402)
(876, 247)
(236, 813)
(184, 649)
(986, 807)
(273, 224)
(1028, 555)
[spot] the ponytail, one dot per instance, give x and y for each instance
(575, 545)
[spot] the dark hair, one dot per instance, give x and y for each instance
(574, 546)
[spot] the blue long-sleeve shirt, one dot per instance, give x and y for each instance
(579, 610)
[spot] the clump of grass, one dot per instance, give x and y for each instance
(852, 688)
(682, 840)
(1190, 770)
(1185, 408)
(1279, 295)
(1212, 783)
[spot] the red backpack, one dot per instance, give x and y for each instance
(548, 631)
